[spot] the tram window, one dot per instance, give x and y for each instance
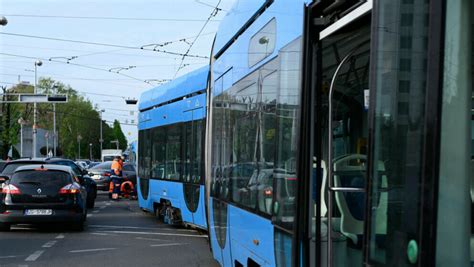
(399, 123)
(197, 164)
(287, 106)
(158, 152)
(267, 136)
(244, 147)
(188, 150)
(173, 153)
(146, 163)
(217, 119)
(262, 43)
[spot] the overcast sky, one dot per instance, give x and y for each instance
(136, 23)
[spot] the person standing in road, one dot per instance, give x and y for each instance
(117, 166)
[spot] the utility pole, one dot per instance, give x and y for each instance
(79, 137)
(101, 140)
(35, 111)
(90, 151)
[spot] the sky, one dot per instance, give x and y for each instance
(121, 27)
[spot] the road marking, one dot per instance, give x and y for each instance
(100, 234)
(168, 245)
(22, 265)
(89, 215)
(103, 207)
(150, 239)
(153, 233)
(108, 203)
(136, 227)
(8, 257)
(61, 236)
(91, 250)
(35, 255)
(95, 211)
(49, 244)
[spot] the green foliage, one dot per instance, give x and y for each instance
(76, 119)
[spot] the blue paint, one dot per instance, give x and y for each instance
(192, 82)
(152, 116)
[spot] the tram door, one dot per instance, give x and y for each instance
(192, 162)
(371, 187)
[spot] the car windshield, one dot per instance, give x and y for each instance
(103, 166)
(71, 164)
(44, 178)
(11, 167)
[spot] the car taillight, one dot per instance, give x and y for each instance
(69, 189)
(106, 174)
(10, 189)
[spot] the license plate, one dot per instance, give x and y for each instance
(39, 212)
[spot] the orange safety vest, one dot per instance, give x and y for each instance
(116, 167)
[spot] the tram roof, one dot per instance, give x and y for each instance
(185, 85)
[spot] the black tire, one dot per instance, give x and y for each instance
(78, 226)
(4, 227)
(91, 204)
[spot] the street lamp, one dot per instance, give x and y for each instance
(54, 121)
(3, 21)
(38, 63)
(79, 137)
(101, 140)
(90, 151)
(22, 122)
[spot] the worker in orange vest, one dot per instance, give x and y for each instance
(117, 166)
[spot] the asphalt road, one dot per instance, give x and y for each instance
(116, 234)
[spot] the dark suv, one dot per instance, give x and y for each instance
(42, 194)
(81, 174)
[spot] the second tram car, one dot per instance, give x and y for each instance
(171, 138)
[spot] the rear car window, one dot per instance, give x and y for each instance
(10, 168)
(128, 168)
(42, 177)
(102, 166)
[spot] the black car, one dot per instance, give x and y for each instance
(101, 174)
(42, 194)
(85, 180)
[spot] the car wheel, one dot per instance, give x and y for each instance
(4, 227)
(78, 226)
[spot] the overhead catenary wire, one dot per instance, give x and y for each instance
(106, 18)
(100, 44)
(75, 64)
(213, 14)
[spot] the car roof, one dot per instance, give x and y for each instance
(45, 166)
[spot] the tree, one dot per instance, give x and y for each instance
(118, 134)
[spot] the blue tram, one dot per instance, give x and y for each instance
(340, 134)
(170, 145)
(253, 133)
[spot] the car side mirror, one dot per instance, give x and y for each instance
(4, 179)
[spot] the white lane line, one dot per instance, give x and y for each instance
(103, 207)
(91, 250)
(136, 227)
(168, 245)
(22, 265)
(61, 236)
(95, 211)
(49, 244)
(108, 203)
(35, 255)
(89, 215)
(150, 239)
(152, 233)
(8, 257)
(100, 234)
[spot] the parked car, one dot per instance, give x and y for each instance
(82, 164)
(42, 194)
(85, 180)
(101, 174)
(83, 175)
(93, 164)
